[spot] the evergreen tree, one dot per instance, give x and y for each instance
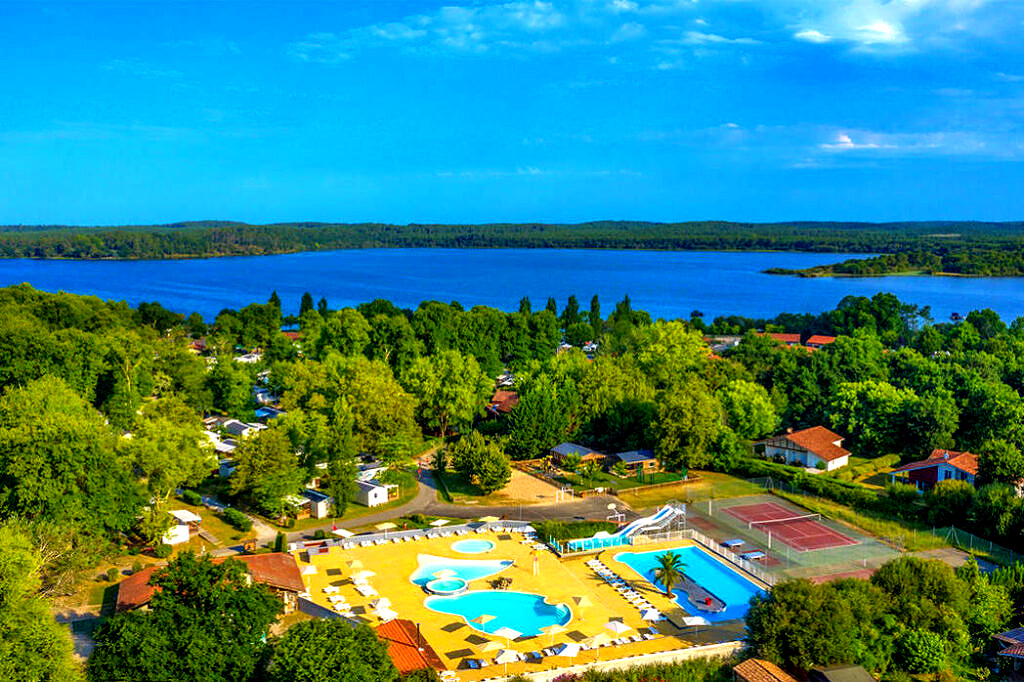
(307, 304)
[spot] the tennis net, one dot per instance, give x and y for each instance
(768, 523)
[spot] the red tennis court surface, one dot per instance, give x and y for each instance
(800, 534)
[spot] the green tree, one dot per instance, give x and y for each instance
(33, 647)
(666, 350)
(267, 470)
(327, 651)
(539, 422)
(669, 571)
(345, 331)
(570, 313)
(450, 387)
(748, 409)
(482, 462)
(207, 622)
(922, 651)
(594, 317)
(687, 424)
(231, 388)
(306, 304)
(1000, 462)
(949, 502)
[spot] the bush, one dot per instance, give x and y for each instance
(281, 541)
(237, 519)
(290, 523)
(418, 519)
(162, 551)
(318, 534)
(112, 574)
(192, 497)
(571, 530)
(136, 567)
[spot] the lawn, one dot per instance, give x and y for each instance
(606, 479)
(708, 484)
(212, 523)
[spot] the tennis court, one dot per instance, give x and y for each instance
(803, 533)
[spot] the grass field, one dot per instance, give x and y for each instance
(605, 479)
(708, 484)
(408, 487)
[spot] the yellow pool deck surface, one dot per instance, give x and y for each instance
(560, 581)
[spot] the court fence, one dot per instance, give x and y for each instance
(712, 546)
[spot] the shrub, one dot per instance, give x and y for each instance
(162, 551)
(571, 530)
(136, 567)
(418, 519)
(281, 541)
(112, 574)
(192, 497)
(237, 519)
(318, 534)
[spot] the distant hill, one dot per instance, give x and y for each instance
(210, 238)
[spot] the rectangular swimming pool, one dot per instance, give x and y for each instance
(711, 574)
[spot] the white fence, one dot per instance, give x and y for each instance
(714, 547)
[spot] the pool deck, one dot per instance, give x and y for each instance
(560, 580)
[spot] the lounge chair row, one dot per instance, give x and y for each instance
(621, 586)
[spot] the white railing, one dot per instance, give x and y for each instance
(716, 548)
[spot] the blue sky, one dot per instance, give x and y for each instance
(560, 110)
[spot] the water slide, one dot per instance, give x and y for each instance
(662, 518)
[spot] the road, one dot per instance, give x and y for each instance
(426, 502)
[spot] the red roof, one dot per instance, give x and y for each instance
(277, 570)
(504, 401)
(407, 648)
(819, 441)
(1016, 651)
(756, 670)
(964, 461)
(294, 336)
(820, 340)
(786, 338)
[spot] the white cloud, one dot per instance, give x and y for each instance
(629, 31)
(844, 143)
(811, 35)
(141, 69)
(700, 38)
(880, 31)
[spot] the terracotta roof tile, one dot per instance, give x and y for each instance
(277, 570)
(756, 670)
(407, 648)
(819, 441)
(820, 340)
(964, 461)
(785, 338)
(504, 401)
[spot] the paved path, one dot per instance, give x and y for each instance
(426, 502)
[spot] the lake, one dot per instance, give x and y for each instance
(664, 283)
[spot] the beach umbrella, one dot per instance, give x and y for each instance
(507, 633)
(597, 641)
(695, 620)
(553, 630)
(617, 626)
(651, 614)
(439, 522)
(309, 569)
(386, 614)
(342, 533)
(506, 656)
(489, 646)
(483, 619)
(386, 526)
(582, 601)
(489, 519)
(363, 574)
(445, 573)
(381, 602)
(569, 649)
(354, 564)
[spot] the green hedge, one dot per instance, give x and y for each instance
(571, 530)
(237, 519)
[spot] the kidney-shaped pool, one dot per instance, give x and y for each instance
(523, 612)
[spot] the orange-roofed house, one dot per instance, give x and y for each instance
(819, 341)
(278, 571)
(407, 648)
(503, 402)
(813, 448)
(942, 465)
(756, 670)
(785, 339)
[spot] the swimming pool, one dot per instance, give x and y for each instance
(711, 574)
(521, 611)
(472, 546)
(467, 569)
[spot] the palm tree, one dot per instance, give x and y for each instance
(670, 571)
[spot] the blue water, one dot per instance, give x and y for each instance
(712, 575)
(665, 283)
(525, 613)
(467, 569)
(472, 546)
(447, 586)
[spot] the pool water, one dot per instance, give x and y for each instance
(472, 546)
(466, 569)
(521, 611)
(446, 585)
(714, 576)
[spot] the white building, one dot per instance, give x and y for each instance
(185, 523)
(371, 493)
(813, 448)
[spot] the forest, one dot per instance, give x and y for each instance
(224, 238)
(100, 426)
(967, 261)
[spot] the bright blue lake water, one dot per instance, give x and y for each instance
(664, 283)
(718, 579)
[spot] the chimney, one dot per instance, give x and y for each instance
(789, 429)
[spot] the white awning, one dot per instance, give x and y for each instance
(185, 516)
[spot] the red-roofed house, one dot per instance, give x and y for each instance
(278, 571)
(756, 670)
(819, 341)
(502, 402)
(407, 648)
(808, 448)
(787, 339)
(942, 465)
